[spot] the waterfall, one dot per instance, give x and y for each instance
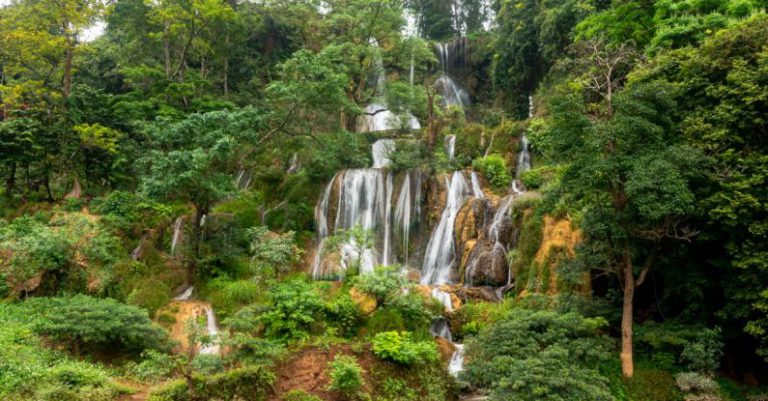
(477, 192)
(213, 332)
(456, 365)
(403, 214)
(202, 220)
(381, 150)
(186, 295)
(376, 115)
(524, 157)
(453, 94)
(450, 146)
(439, 257)
(294, 165)
(387, 218)
(243, 180)
(444, 298)
(439, 328)
(177, 234)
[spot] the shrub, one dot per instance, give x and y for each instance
(539, 355)
(703, 354)
(345, 314)
(299, 395)
(296, 305)
(382, 284)
(415, 312)
(99, 324)
(273, 251)
(531, 179)
(399, 347)
(346, 375)
(385, 319)
(494, 169)
(695, 382)
(250, 383)
(407, 155)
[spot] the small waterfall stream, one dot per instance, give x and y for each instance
(177, 234)
(213, 332)
(439, 257)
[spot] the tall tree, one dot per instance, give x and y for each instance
(629, 172)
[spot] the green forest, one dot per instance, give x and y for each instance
(383, 200)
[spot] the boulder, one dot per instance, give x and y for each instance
(365, 302)
(445, 347)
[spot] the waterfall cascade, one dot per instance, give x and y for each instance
(449, 144)
(213, 332)
(177, 236)
(453, 94)
(370, 200)
(376, 115)
(440, 254)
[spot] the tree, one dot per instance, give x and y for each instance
(192, 160)
(628, 170)
(540, 355)
(275, 251)
(104, 324)
(723, 87)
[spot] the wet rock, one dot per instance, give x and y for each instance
(445, 347)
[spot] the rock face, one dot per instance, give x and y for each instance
(484, 233)
(558, 243)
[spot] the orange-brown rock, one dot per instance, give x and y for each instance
(445, 348)
(365, 302)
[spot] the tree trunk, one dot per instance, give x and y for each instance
(167, 48)
(431, 124)
(10, 181)
(68, 56)
(627, 363)
(197, 236)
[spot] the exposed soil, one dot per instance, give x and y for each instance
(307, 371)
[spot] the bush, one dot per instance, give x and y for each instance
(382, 284)
(703, 354)
(296, 305)
(250, 383)
(407, 156)
(540, 355)
(344, 313)
(98, 324)
(299, 395)
(494, 169)
(346, 375)
(695, 382)
(399, 347)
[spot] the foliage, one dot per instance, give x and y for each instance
(346, 375)
(299, 395)
(703, 354)
(273, 251)
(540, 355)
(91, 324)
(252, 382)
(345, 313)
(494, 169)
(401, 348)
(294, 306)
(383, 284)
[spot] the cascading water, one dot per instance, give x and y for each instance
(186, 295)
(456, 364)
(364, 199)
(453, 94)
(381, 150)
(213, 332)
(403, 214)
(177, 234)
(477, 192)
(439, 257)
(444, 298)
(450, 146)
(376, 115)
